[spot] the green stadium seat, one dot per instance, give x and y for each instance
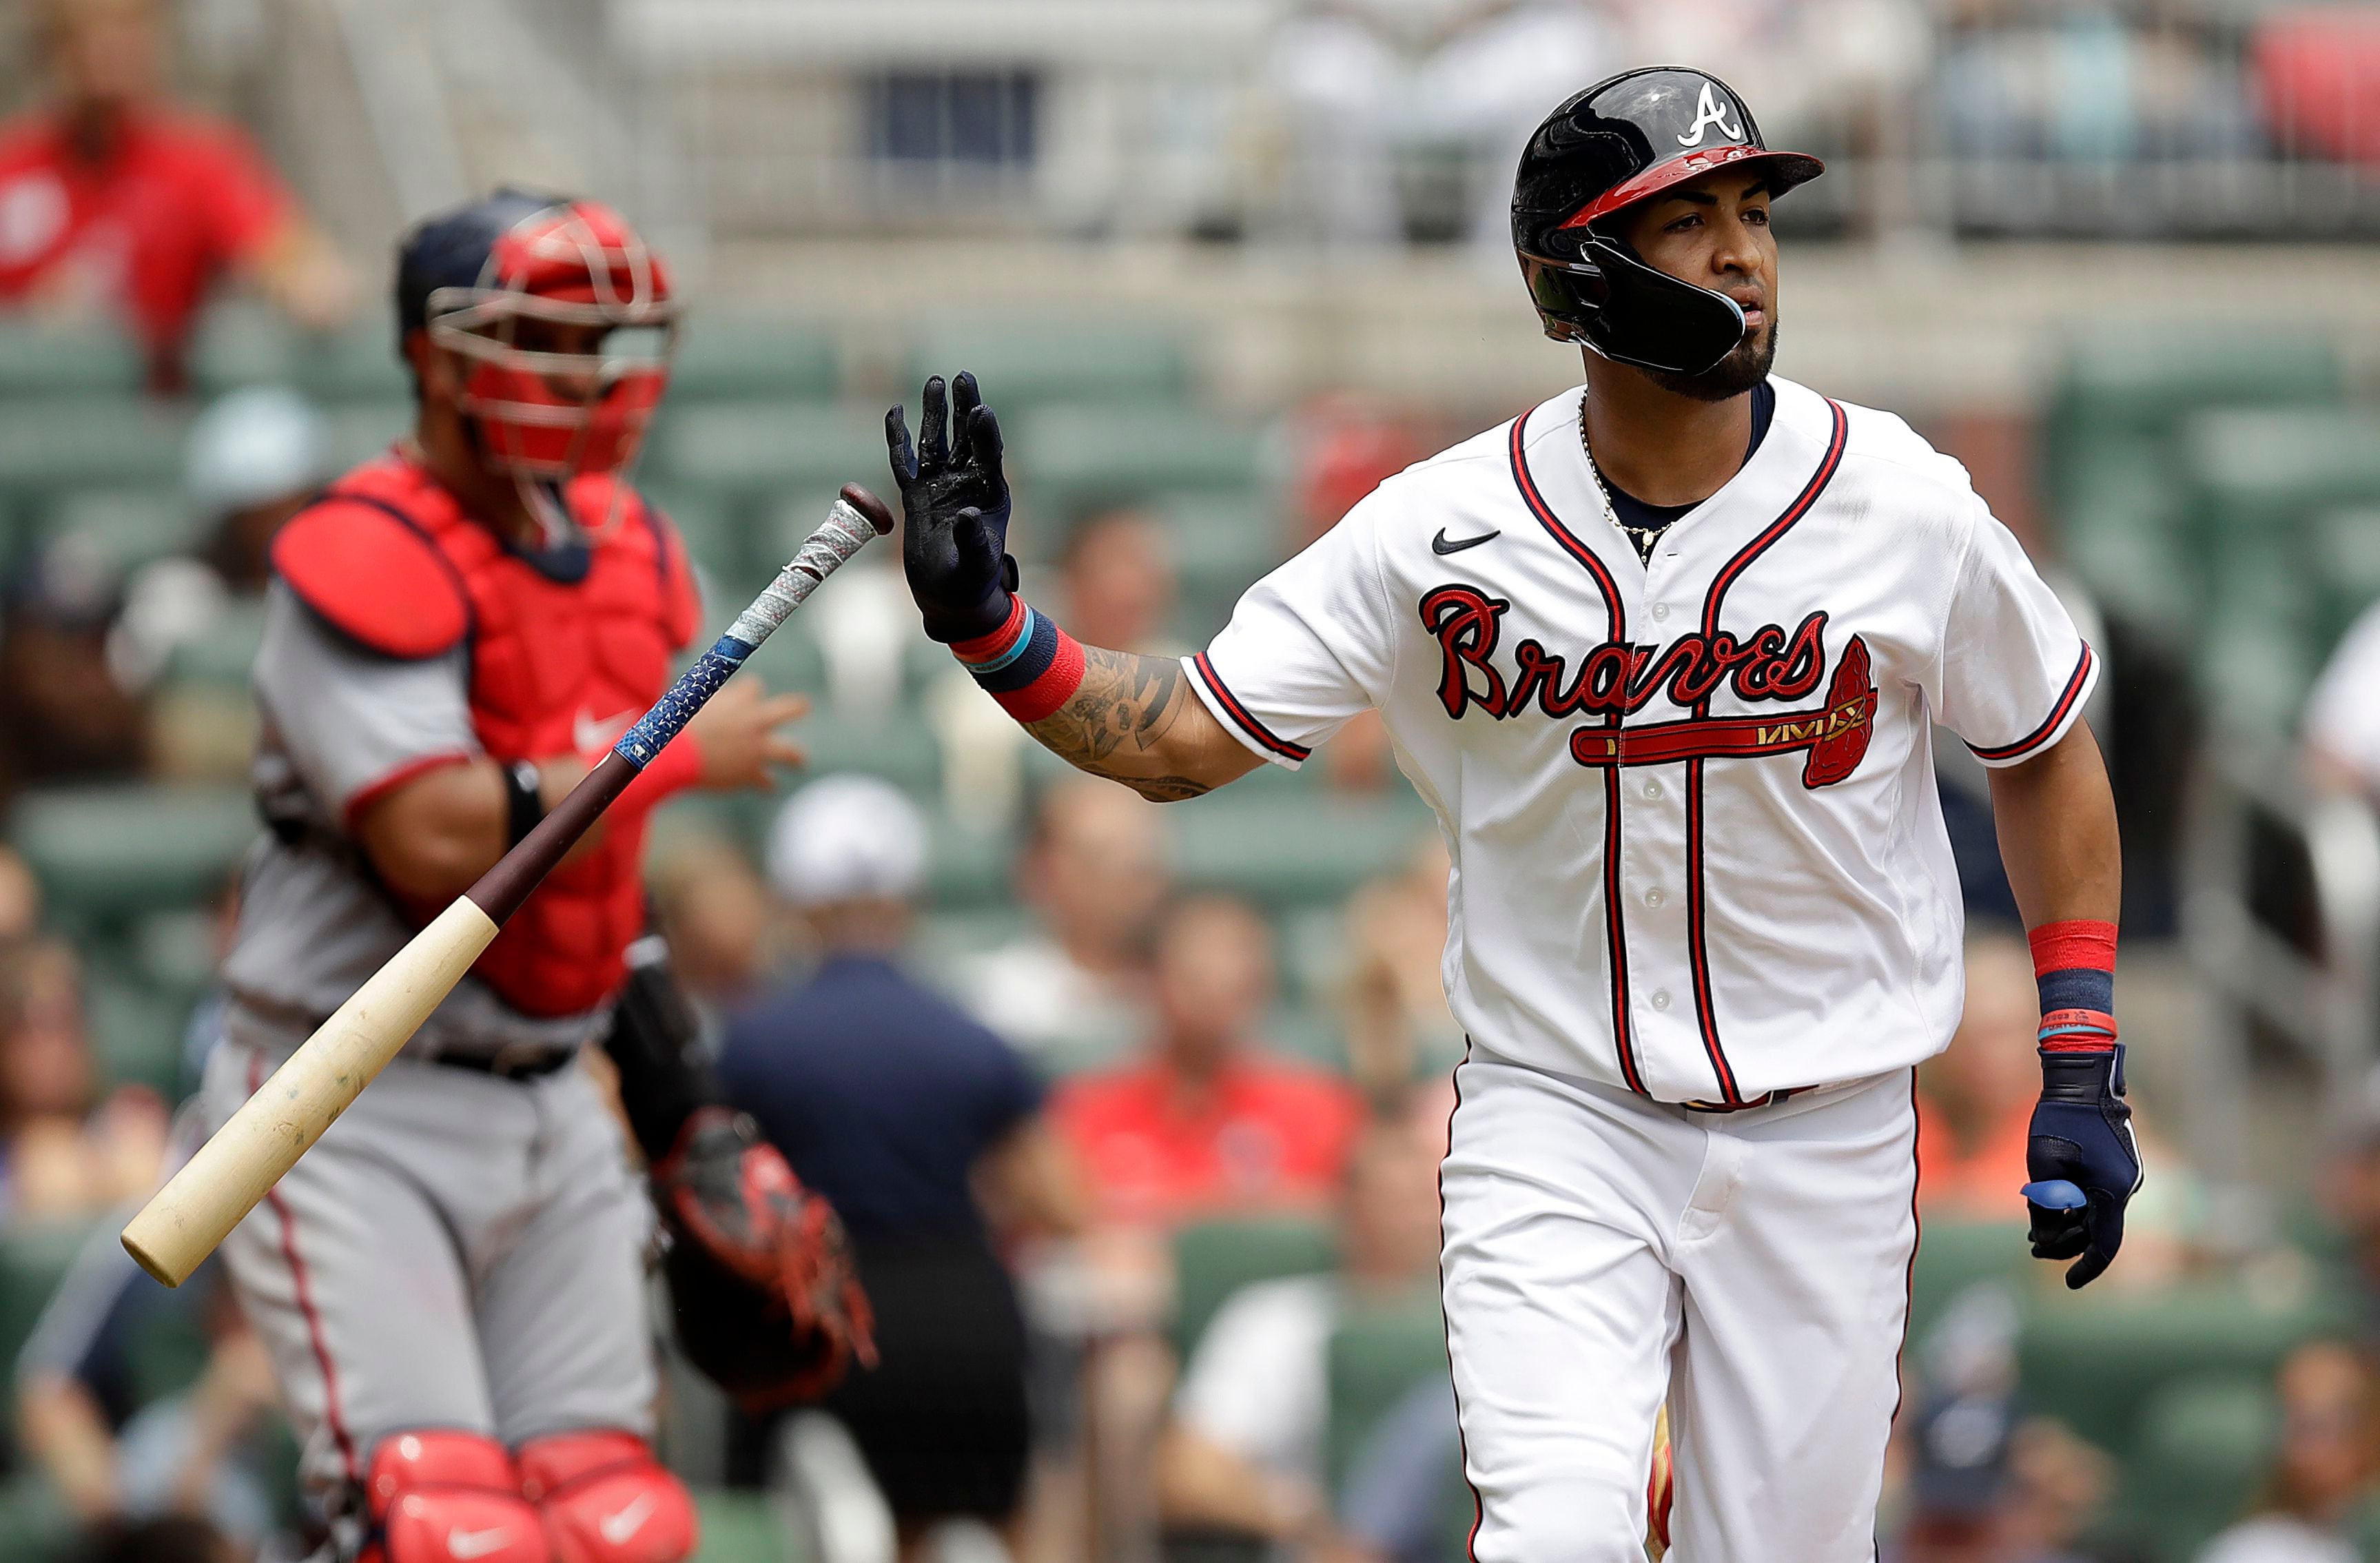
(893, 745)
(1954, 1256)
(356, 365)
(241, 344)
(137, 1029)
(2099, 1364)
(968, 869)
(1076, 456)
(86, 442)
(36, 1526)
(362, 429)
(722, 356)
(2206, 1443)
(1380, 1353)
(33, 1258)
(1287, 846)
(757, 450)
(739, 1528)
(714, 536)
(126, 527)
(1020, 364)
(40, 359)
(221, 657)
(2346, 569)
(1222, 543)
(110, 852)
(1214, 1259)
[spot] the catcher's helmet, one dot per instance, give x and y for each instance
(1613, 145)
(469, 276)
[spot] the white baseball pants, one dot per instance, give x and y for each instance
(1603, 1252)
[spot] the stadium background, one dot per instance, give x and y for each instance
(1220, 266)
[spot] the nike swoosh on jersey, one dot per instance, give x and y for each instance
(618, 1528)
(1439, 544)
(476, 1544)
(588, 735)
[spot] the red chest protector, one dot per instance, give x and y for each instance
(561, 662)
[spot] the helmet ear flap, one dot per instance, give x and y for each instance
(1652, 320)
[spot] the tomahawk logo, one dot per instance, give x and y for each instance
(1709, 112)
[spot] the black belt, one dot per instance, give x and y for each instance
(1770, 1100)
(511, 1063)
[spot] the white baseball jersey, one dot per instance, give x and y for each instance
(1697, 849)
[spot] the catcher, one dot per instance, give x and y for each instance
(451, 1284)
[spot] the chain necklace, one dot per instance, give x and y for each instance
(1642, 539)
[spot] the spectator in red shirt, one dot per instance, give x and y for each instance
(113, 202)
(1209, 1119)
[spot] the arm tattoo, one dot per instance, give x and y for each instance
(1126, 707)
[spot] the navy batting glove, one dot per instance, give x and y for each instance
(2083, 1161)
(954, 513)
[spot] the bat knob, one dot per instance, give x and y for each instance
(879, 514)
(2056, 1194)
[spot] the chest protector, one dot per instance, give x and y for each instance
(565, 650)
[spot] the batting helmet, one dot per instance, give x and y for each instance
(470, 277)
(1616, 143)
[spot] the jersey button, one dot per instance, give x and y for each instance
(1652, 789)
(1653, 897)
(1660, 610)
(1661, 998)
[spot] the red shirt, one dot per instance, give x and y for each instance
(1266, 1131)
(176, 200)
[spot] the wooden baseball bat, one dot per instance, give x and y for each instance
(215, 1188)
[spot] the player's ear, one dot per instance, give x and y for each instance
(435, 372)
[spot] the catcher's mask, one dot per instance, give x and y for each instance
(1621, 142)
(566, 323)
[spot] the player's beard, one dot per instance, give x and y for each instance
(1746, 365)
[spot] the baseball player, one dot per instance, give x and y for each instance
(451, 1283)
(1662, 653)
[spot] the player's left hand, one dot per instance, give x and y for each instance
(2084, 1162)
(954, 510)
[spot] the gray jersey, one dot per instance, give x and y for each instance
(342, 725)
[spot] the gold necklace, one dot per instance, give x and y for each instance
(1642, 539)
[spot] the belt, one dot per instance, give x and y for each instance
(511, 1063)
(1772, 1099)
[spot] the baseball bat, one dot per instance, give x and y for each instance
(185, 1220)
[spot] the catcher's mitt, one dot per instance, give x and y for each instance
(768, 1304)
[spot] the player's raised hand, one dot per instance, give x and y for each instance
(954, 511)
(739, 737)
(2084, 1162)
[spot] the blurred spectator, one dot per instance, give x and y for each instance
(2317, 75)
(2323, 1470)
(111, 1455)
(57, 1155)
(1392, 1505)
(66, 715)
(1394, 998)
(914, 1121)
(1115, 575)
(1975, 1098)
(1094, 871)
(1244, 1453)
(172, 1539)
(1343, 449)
(715, 914)
(113, 202)
(1208, 1119)
(251, 460)
(2342, 726)
(20, 899)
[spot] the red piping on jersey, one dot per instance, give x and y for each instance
(1916, 1241)
(1445, 1329)
(1614, 929)
(304, 1293)
(2057, 714)
(1697, 944)
(1241, 714)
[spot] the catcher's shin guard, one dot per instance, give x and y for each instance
(447, 1496)
(605, 1498)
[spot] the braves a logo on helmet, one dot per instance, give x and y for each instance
(1709, 112)
(1613, 680)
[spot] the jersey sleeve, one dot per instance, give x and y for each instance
(2014, 672)
(353, 722)
(1309, 646)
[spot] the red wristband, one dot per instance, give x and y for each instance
(2078, 942)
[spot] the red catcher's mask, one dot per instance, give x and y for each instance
(551, 415)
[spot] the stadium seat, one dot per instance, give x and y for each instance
(893, 745)
(126, 527)
(970, 868)
(1222, 542)
(755, 450)
(2205, 1444)
(1071, 457)
(221, 656)
(1214, 1259)
(714, 537)
(33, 1259)
(2347, 570)
(356, 365)
(1288, 847)
(363, 428)
(106, 853)
(1380, 1353)
(739, 1528)
(722, 356)
(1953, 1257)
(137, 1028)
(242, 342)
(43, 359)
(61, 443)
(1021, 363)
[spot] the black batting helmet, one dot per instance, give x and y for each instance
(1613, 145)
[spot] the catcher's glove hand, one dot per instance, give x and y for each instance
(770, 1307)
(955, 512)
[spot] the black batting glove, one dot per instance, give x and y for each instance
(2084, 1162)
(954, 513)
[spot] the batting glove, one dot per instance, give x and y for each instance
(2083, 1161)
(954, 513)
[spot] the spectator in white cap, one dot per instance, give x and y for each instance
(926, 1131)
(251, 460)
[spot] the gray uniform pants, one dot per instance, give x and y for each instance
(458, 1251)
